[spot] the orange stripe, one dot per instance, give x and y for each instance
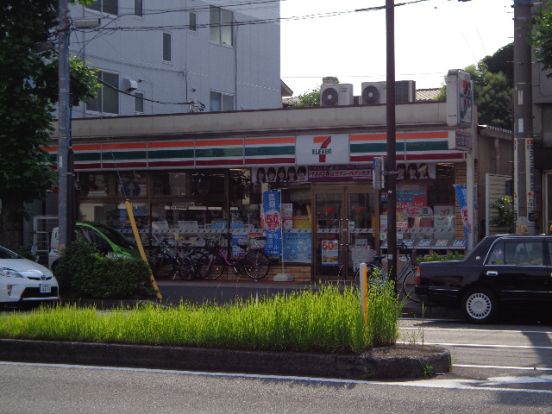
(50, 148)
(172, 144)
(400, 135)
(219, 142)
(87, 147)
(274, 140)
(126, 145)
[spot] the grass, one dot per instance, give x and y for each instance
(325, 321)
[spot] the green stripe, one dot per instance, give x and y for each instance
(257, 151)
(400, 146)
(87, 156)
(164, 154)
(427, 146)
(128, 155)
(219, 152)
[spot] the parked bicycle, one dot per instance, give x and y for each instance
(164, 259)
(253, 262)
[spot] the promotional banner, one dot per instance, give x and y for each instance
(462, 199)
(298, 247)
(272, 223)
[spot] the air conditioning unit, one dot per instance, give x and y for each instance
(373, 93)
(336, 94)
(405, 91)
(129, 84)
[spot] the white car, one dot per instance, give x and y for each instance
(22, 280)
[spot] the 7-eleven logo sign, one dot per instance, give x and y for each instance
(322, 142)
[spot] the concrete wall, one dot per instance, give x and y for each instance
(249, 70)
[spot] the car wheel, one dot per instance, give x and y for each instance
(480, 305)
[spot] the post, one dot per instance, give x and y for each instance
(65, 216)
(363, 276)
(524, 196)
(391, 166)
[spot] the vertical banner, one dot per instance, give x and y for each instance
(272, 223)
(530, 183)
(461, 198)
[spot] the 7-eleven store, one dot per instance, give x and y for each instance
(192, 177)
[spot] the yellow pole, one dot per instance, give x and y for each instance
(138, 241)
(363, 275)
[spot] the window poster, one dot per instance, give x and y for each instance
(329, 254)
(298, 247)
(411, 195)
(272, 223)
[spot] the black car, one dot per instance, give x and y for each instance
(501, 269)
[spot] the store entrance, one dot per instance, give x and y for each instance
(345, 226)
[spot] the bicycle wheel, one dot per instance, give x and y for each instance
(183, 268)
(255, 264)
(215, 267)
(202, 264)
(408, 285)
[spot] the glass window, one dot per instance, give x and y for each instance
(139, 102)
(549, 245)
(523, 253)
(107, 96)
(169, 183)
(138, 7)
(221, 23)
(132, 184)
(192, 21)
(221, 102)
(106, 6)
(94, 185)
(496, 257)
(167, 46)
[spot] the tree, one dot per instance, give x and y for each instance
(308, 99)
(28, 92)
(542, 35)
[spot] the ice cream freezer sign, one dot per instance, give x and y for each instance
(272, 222)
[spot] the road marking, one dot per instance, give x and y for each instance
(472, 385)
(502, 367)
(409, 328)
(479, 345)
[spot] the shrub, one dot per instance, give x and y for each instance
(83, 272)
(435, 257)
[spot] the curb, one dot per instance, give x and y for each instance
(394, 362)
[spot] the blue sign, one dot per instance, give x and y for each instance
(272, 223)
(298, 247)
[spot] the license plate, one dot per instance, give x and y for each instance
(45, 288)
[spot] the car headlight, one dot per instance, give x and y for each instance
(5, 272)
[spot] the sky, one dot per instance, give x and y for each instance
(431, 37)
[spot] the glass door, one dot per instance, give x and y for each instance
(330, 234)
(345, 225)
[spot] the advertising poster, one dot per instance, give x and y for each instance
(272, 223)
(411, 195)
(462, 200)
(298, 247)
(330, 252)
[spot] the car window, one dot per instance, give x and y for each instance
(549, 245)
(524, 253)
(496, 257)
(101, 244)
(8, 254)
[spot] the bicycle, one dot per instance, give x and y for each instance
(164, 255)
(253, 262)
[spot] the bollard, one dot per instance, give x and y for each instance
(363, 291)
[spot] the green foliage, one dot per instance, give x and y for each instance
(307, 99)
(26, 253)
(542, 35)
(436, 257)
(28, 92)
(505, 209)
(501, 62)
(83, 272)
(328, 320)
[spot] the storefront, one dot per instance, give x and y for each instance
(331, 218)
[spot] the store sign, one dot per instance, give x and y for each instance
(328, 173)
(322, 149)
(272, 222)
(530, 176)
(461, 139)
(459, 98)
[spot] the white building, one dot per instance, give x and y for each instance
(175, 56)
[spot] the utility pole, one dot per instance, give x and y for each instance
(65, 182)
(391, 167)
(524, 191)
